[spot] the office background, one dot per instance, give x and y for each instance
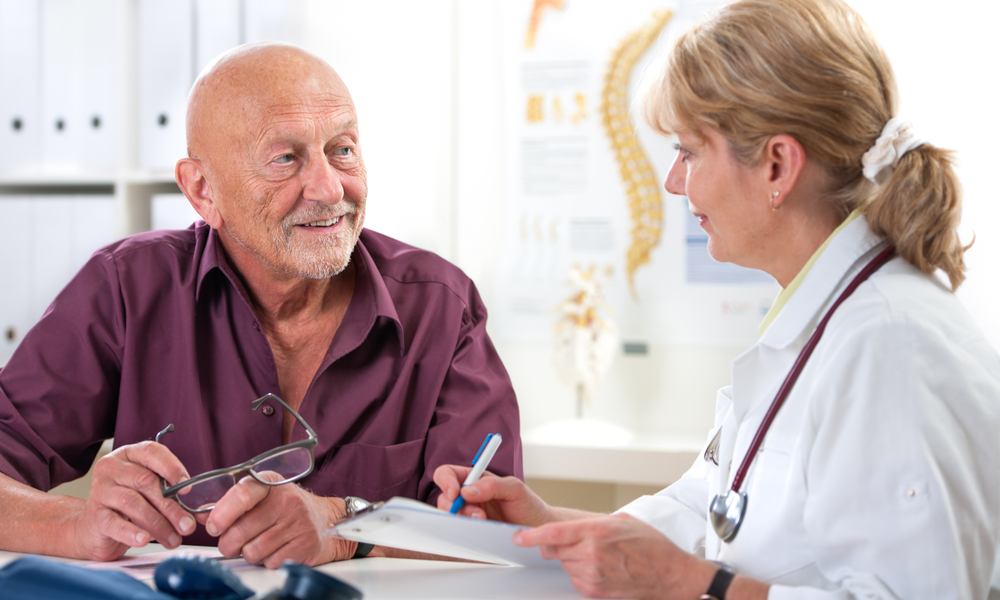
(427, 81)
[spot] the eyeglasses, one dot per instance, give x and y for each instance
(282, 465)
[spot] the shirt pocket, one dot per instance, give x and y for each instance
(372, 472)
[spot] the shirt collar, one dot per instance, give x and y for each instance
(371, 300)
(371, 297)
(787, 293)
(213, 257)
(830, 272)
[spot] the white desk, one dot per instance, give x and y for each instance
(392, 578)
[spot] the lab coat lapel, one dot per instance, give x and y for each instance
(757, 373)
(833, 270)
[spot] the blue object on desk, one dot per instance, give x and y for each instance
(36, 578)
(194, 577)
(304, 583)
(479, 464)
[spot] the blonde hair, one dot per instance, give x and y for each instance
(813, 70)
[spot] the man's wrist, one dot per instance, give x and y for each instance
(353, 505)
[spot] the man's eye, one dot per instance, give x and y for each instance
(285, 159)
(345, 151)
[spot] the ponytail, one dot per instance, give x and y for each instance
(918, 208)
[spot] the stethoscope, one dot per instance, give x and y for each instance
(727, 511)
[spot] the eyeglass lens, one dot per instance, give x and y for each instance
(275, 469)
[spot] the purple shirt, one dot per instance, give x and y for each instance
(158, 329)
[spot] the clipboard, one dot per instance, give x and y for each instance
(411, 525)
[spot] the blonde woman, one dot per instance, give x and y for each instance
(857, 452)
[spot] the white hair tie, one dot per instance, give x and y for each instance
(896, 140)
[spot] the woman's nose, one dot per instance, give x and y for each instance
(675, 181)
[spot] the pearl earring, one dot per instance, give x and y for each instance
(773, 196)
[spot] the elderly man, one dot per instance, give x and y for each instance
(380, 347)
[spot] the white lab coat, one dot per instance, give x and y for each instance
(880, 476)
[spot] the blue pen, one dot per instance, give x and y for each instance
(479, 464)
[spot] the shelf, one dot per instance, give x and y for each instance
(645, 460)
(81, 178)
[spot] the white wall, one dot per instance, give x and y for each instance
(945, 56)
(427, 81)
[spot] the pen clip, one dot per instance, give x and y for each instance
(481, 448)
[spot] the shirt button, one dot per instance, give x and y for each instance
(268, 410)
(256, 326)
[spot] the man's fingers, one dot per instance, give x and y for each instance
(134, 492)
(240, 498)
(158, 459)
(140, 467)
(121, 530)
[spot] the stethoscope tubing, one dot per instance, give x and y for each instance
(876, 263)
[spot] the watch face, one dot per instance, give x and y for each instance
(355, 504)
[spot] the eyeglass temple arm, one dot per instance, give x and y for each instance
(166, 430)
(256, 403)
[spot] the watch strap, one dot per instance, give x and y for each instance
(720, 583)
(353, 504)
(362, 550)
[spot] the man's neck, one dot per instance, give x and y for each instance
(299, 316)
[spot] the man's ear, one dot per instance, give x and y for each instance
(784, 159)
(191, 178)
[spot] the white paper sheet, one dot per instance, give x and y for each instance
(411, 525)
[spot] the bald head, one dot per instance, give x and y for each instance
(233, 96)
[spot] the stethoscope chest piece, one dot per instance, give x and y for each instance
(726, 512)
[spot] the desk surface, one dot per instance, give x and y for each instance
(391, 578)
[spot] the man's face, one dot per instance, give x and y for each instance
(291, 188)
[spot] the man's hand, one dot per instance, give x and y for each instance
(272, 524)
(495, 498)
(125, 507)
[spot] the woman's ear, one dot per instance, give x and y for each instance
(191, 178)
(784, 159)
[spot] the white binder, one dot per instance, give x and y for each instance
(15, 273)
(20, 117)
(51, 250)
(172, 211)
(65, 232)
(216, 29)
(93, 228)
(165, 78)
(60, 84)
(98, 112)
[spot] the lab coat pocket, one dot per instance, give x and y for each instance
(773, 520)
(372, 472)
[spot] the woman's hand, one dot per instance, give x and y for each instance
(495, 498)
(619, 556)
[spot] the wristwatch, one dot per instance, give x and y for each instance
(354, 505)
(720, 583)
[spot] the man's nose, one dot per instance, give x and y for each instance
(321, 182)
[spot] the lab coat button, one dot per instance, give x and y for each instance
(911, 492)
